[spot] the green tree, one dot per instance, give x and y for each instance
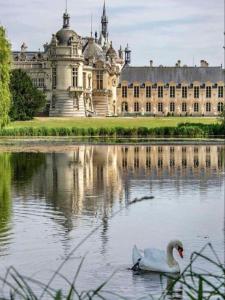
(27, 100)
(5, 60)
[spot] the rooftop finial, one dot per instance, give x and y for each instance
(66, 17)
(104, 10)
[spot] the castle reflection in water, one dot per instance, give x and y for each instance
(89, 179)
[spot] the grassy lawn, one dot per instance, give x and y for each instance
(110, 122)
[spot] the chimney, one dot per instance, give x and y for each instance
(204, 63)
(151, 63)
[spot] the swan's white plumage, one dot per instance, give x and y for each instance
(154, 260)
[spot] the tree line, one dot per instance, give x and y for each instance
(19, 99)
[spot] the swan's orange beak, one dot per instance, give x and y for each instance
(181, 252)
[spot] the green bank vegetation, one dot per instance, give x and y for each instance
(5, 95)
(117, 128)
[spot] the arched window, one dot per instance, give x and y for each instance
(124, 107)
(196, 107)
(208, 106)
(148, 107)
(136, 106)
(220, 107)
(172, 107)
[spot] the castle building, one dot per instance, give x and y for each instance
(86, 76)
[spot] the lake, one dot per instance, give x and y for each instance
(52, 197)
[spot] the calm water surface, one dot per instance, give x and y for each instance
(50, 201)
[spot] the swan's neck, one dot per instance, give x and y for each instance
(170, 258)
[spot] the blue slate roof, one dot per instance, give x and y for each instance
(168, 74)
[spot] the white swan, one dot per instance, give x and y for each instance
(155, 260)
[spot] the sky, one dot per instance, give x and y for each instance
(164, 31)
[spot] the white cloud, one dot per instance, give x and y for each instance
(163, 30)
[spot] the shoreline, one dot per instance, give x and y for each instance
(66, 144)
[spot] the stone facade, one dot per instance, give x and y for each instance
(179, 91)
(87, 77)
(79, 75)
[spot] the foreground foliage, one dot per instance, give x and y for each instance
(27, 100)
(5, 96)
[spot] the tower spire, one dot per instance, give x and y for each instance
(104, 22)
(104, 9)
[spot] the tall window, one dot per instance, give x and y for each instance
(196, 107)
(148, 91)
(41, 82)
(160, 107)
(172, 91)
(34, 80)
(172, 107)
(148, 106)
(208, 106)
(184, 107)
(184, 92)
(220, 92)
(53, 101)
(136, 107)
(75, 77)
(99, 80)
(84, 80)
(220, 107)
(136, 92)
(74, 50)
(124, 91)
(124, 107)
(54, 77)
(208, 92)
(160, 91)
(196, 92)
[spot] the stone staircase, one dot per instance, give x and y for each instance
(100, 107)
(64, 106)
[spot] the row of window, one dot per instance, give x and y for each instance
(196, 106)
(75, 81)
(172, 163)
(39, 82)
(148, 92)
